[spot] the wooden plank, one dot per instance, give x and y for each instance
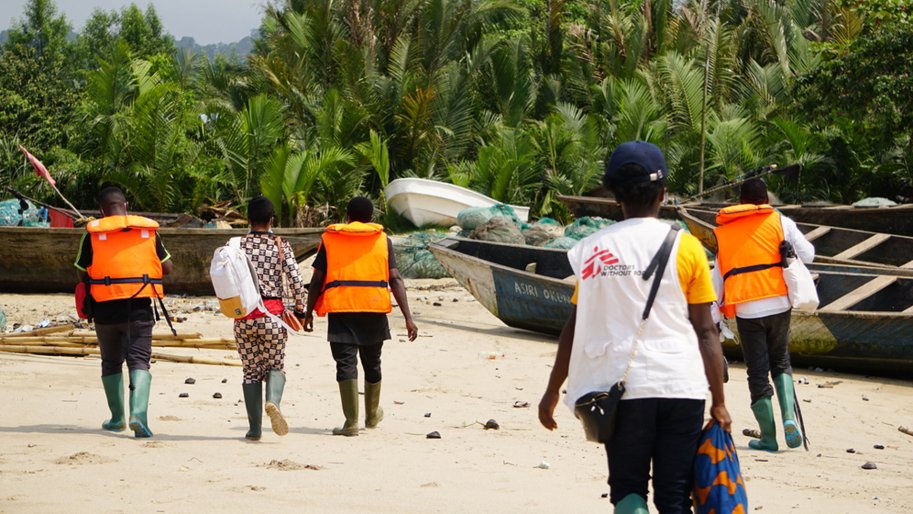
(908, 265)
(816, 233)
(855, 296)
(863, 247)
(908, 310)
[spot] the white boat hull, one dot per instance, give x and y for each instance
(428, 202)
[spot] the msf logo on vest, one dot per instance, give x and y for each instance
(598, 262)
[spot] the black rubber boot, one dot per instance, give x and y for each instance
(253, 402)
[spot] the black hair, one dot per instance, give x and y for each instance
(630, 188)
(753, 191)
(260, 210)
(109, 195)
(360, 209)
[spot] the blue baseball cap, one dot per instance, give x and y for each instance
(646, 155)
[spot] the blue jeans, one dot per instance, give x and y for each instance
(663, 432)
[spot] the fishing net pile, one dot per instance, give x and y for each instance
(474, 217)
(31, 216)
(413, 259)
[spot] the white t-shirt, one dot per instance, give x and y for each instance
(769, 306)
(611, 297)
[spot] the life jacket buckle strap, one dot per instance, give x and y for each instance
(356, 283)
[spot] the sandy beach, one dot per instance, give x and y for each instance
(465, 368)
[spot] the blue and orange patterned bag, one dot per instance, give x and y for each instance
(718, 484)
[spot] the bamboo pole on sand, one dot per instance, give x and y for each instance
(67, 350)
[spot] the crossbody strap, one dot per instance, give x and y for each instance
(657, 265)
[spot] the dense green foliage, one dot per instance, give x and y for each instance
(520, 99)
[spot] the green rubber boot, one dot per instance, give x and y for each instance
(764, 412)
(348, 392)
(114, 392)
(275, 383)
(253, 402)
(374, 414)
(632, 504)
(140, 381)
(786, 395)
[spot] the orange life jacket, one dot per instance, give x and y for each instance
(749, 238)
(125, 263)
(358, 269)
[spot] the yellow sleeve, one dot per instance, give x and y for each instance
(694, 271)
(574, 296)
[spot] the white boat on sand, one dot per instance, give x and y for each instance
(429, 202)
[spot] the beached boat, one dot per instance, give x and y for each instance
(40, 260)
(897, 219)
(523, 286)
(864, 322)
(832, 244)
(606, 208)
(429, 202)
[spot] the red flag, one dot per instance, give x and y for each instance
(40, 170)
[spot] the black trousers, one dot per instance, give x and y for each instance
(663, 432)
(346, 357)
(765, 348)
(130, 341)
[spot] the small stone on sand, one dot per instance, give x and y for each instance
(190, 381)
(492, 425)
(184, 395)
(869, 465)
(433, 435)
(217, 396)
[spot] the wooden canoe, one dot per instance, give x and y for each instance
(832, 244)
(606, 208)
(40, 260)
(897, 219)
(499, 276)
(865, 320)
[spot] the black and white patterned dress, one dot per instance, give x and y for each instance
(261, 341)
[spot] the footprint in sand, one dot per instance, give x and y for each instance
(84, 458)
(155, 444)
(169, 418)
(288, 465)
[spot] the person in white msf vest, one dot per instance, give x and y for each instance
(661, 413)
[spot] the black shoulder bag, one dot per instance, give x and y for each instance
(597, 409)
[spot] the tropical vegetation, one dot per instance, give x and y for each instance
(522, 100)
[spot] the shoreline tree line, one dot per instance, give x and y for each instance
(521, 100)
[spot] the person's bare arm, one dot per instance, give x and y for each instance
(314, 290)
(167, 267)
(559, 373)
(708, 339)
(398, 288)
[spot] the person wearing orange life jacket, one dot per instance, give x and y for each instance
(748, 277)
(354, 273)
(124, 261)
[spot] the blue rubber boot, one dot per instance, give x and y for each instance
(632, 504)
(786, 395)
(140, 381)
(764, 412)
(114, 392)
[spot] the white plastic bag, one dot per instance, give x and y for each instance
(801, 286)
